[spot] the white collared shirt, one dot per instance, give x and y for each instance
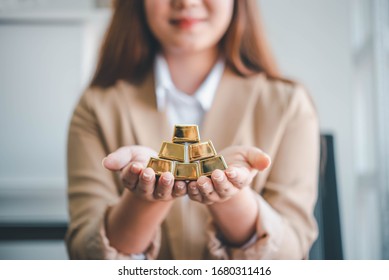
(182, 108)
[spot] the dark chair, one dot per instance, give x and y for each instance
(22, 231)
(328, 246)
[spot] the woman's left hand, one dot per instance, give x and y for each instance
(243, 162)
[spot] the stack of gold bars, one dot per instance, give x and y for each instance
(186, 157)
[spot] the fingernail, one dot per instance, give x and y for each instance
(147, 177)
(166, 181)
(194, 190)
(218, 177)
(231, 173)
(205, 184)
(102, 162)
(180, 186)
(265, 162)
(135, 168)
(159, 195)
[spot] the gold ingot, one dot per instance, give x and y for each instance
(161, 165)
(207, 166)
(186, 133)
(200, 151)
(186, 171)
(172, 151)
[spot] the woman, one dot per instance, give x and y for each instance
(203, 62)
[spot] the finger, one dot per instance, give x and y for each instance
(239, 176)
(222, 186)
(257, 158)
(179, 188)
(164, 188)
(130, 175)
(207, 191)
(146, 183)
(193, 192)
(118, 159)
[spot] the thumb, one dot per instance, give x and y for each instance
(257, 158)
(118, 159)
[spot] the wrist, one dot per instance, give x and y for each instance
(128, 198)
(242, 196)
(236, 218)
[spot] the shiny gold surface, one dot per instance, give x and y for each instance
(186, 133)
(210, 164)
(172, 151)
(161, 165)
(200, 151)
(186, 171)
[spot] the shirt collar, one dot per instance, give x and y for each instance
(164, 84)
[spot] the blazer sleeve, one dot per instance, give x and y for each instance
(91, 188)
(286, 227)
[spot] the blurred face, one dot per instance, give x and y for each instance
(184, 26)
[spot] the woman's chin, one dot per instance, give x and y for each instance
(186, 48)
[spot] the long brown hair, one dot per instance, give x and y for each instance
(129, 47)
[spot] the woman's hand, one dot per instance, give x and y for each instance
(243, 164)
(131, 161)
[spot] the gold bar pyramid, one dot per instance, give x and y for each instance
(186, 157)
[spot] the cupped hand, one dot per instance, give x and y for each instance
(131, 161)
(243, 162)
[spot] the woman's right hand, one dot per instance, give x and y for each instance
(131, 161)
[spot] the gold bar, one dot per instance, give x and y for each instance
(186, 133)
(186, 171)
(210, 164)
(172, 151)
(200, 151)
(161, 165)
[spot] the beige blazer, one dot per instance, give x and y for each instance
(276, 116)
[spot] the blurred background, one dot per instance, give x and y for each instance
(339, 49)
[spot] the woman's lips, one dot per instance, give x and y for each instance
(185, 23)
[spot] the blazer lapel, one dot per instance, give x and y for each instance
(233, 100)
(150, 126)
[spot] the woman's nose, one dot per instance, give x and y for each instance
(181, 4)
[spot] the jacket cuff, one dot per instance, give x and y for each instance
(266, 243)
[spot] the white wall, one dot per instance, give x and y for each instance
(46, 59)
(40, 64)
